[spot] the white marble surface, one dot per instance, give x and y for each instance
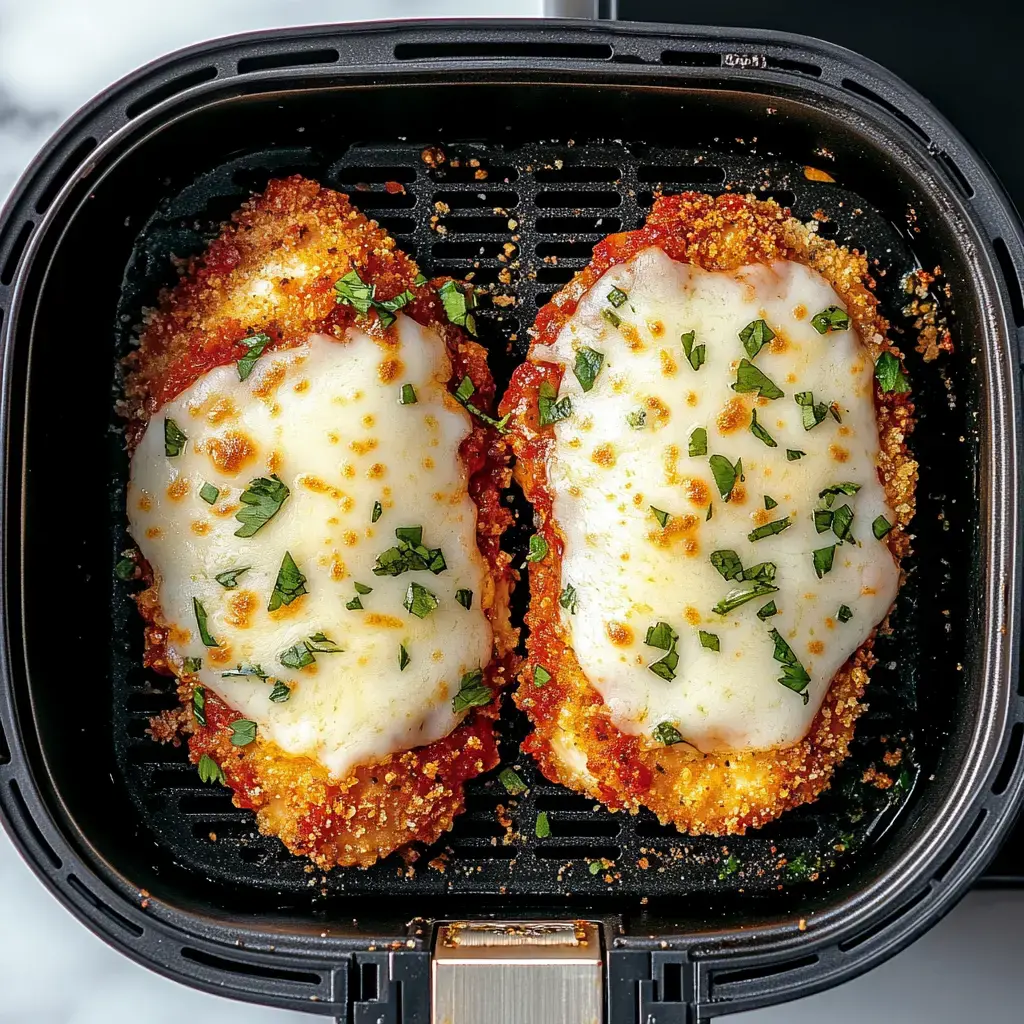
(54, 54)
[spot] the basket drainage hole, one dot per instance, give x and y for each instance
(368, 983)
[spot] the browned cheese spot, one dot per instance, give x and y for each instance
(734, 416)
(178, 488)
(619, 634)
(200, 527)
(242, 605)
(838, 452)
(604, 456)
(229, 452)
(390, 369)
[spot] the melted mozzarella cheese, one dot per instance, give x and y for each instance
(630, 572)
(326, 419)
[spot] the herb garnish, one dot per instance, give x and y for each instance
(889, 374)
(541, 676)
(823, 558)
(667, 734)
(663, 637)
(728, 564)
(465, 391)
(750, 378)
(880, 527)
(538, 548)
(698, 442)
(568, 600)
(377, 512)
(550, 411)
(769, 529)
(514, 785)
(353, 291)
(174, 439)
(542, 829)
(261, 501)
(290, 584)
(124, 570)
(210, 771)
(794, 675)
(766, 611)
(199, 704)
(281, 692)
(696, 355)
(465, 598)
(229, 579)
(845, 613)
(409, 555)
(407, 396)
(829, 494)
(255, 343)
(637, 419)
(617, 297)
(759, 432)
(725, 474)
(192, 664)
(587, 367)
(613, 318)
(709, 640)
(810, 413)
(472, 692)
(209, 493)
(304, 653)
(662, 517)
(770, 503)
(832, 318)
(842, 519)
(419, 601)
(204, 633)
(403, 658)
(457, 305)
(241, 671)
(243, 732)
(792, 454)
(755, 336)
(735, 598)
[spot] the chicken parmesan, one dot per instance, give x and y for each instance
(314, 491)
(711, 428)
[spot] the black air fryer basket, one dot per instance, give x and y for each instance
(555, 134)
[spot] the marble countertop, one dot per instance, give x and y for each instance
(54, 55)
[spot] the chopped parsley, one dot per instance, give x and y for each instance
(763, 572)
(243, 732)
(472, 692)
(261, 501)
(811, 413)
(403, 658)
(750, 378)
(174, 439)
(289, 585)
(124, 570)
(229, 579)
(457, 305)
(755, 336)
(711, 512)
(794, 675)
(210, 771)
(209, 493)
(304, 653)
(355, 605)
(637, 419)
(730, 867)
(880, 527)
(822, 519)
(541, 676)
(568, 600)
(281, 692)
(353, 291)
(240, 671)
(255, 344)
(192, 664)
(728, 564)
(760, 433)
(550, 411)
(378, 511)
(465, 598)
(696, 355)
(766, 611)
(617, 297)
(769, 529)
(709, 640)
(667, 734)
(419, 601)
(362, 588)
(542, 829)
(199, 704)
(594, 867)
(538, 548)
(613, 318)
(409, 555)
(823, 558)
(662, 517)
(204, 633)
(587, 367)
(407, 396)
(842, 519)
(465, 391)
(845, 613)
(698, 442)
(832, 318)
(725, 474)
(663, 637)
(889, 375)
(513, 784)
(740, 596)
(792, 454)
(829, 494)
(770, 503)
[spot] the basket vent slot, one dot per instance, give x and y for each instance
(958, 176)
(11, 265)
(577, 852)
(64, 172)
(720, 979)
(788, 64)
(869, 94)
(1010, 759)
(5, 751)
(574, 199)
(576, 175)
(695, 174)
(459, 199)
(358, 175)
(169, 89)
(33, 829)
(1013, 285)
(129, 926)
(472, 49)
(252, 970)
(288, 59)
(681, 59)
(886, 921)
(950, 861)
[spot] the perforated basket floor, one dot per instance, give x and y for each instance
(519, 222)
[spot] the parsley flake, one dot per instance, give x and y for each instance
(766, 611)
(538, 548)
(419, 601)
(229, 579)
(696, 355)
(550, 411)
(667, 734)
(209, 493)
(823, 558)
(698, 442)
(174, 439)
(750, 379)
(755, 336)
(457, 305)
(832, 318)
(792, 454)
(377, 512)
(637, 419)
(204, 633)
(617, 297)
(889, 375)
(759, 432)
(769, 529)
(709, 640)
(794, 675)
(541, 676)
(210, 771)
(542, 829)
(465, 598)
(290, 584)
(770, 503)
(472, 692)
(725, 474)
(407, 396)
(811, 413)
(513, 784)
(243, 732)
(255, 344)
(662, 517)
(663, 637)
(880, 527)
(261, 501)
(845, 613)
(568, 599)
(403, 658)
(588, 365)
(728, 564)
(281, 692)
(199, 704)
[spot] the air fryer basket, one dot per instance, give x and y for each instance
(554, 135)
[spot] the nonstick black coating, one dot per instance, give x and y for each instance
(548, 203)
